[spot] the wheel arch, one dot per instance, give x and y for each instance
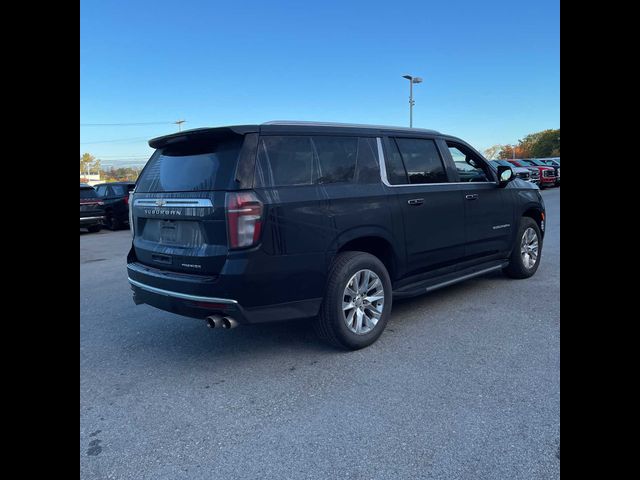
(374, 241)
(537, 214)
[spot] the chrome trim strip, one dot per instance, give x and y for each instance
(183, 296)
(464, 277)
(92, 218)
(383, 174)
(173, 202)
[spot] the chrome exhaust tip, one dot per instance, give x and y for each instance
(213, 321)
(228, 322)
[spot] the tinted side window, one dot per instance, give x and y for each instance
(396, 174)
(336, 158)
(101, 191)
(422, 160)
(283, 161)
(470, 167)
(119, 190)
(367, 165)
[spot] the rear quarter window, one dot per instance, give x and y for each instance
(88, 193)
(318, 159)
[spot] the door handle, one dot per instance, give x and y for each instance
(416, 201)
(471, 196)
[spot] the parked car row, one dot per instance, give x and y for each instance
(549, 173)
(105, 205)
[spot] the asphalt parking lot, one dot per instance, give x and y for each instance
(464, 383)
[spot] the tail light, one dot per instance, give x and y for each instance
(126, 200)
(244, 219)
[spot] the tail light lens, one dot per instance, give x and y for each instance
(244, 219)
(126, 200)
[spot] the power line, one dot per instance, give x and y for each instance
(123, 124)
(116, 140)
(141, 155)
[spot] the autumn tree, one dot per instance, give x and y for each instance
(535, 145)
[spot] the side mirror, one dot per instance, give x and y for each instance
(505, 175)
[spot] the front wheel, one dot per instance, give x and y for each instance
(525, 256)
(357, 301)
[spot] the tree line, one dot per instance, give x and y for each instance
(535, 145)
(90, 165)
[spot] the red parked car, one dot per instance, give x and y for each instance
(547, 174)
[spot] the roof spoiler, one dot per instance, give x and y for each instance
(200, 133)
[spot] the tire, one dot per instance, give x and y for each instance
(331, 323)
(518, 267)
(94, 228)
(116, 223)
(112, 222)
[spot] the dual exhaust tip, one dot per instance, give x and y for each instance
(217, 321)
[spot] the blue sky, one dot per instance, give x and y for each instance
(491, 69)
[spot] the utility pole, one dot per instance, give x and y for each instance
(412, 80)
(179, 123)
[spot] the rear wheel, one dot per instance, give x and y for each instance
(94, 228)
(112, 222)
(357, 301)
(525, 256)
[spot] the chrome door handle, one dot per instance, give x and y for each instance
(416, 201)
(472, 197)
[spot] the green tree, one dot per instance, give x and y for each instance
(547, 144)
(86, 160)
(535, 145)
(89, 163)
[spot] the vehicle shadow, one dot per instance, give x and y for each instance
(175, 338)
(183, 339)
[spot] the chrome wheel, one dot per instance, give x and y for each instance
(362, 302)
(529, 248)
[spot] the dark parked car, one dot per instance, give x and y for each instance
(115, 196)
(91, 209)
(289, 220)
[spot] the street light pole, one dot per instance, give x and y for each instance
(412, 80)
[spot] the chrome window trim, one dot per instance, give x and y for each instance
(383, 174)
(184, 296)
(174, 202)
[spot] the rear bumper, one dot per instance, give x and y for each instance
(190, 296)
(88, 221)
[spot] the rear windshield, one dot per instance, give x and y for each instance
(88, 193)
(194, 166)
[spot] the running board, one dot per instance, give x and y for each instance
(435, 283)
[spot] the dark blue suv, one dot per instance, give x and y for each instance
(330, 222)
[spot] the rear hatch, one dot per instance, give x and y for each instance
(178, 206)
(90, 204)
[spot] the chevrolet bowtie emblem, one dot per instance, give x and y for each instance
(160, 203)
